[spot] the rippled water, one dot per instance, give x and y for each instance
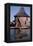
(13, 35)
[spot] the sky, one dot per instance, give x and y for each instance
(15, 9)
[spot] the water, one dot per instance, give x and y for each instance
(12, 34)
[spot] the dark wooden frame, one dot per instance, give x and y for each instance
(7, 20)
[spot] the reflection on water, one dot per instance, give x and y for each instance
(23, 35)
(12, 34)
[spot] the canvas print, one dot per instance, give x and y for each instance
(20, 23)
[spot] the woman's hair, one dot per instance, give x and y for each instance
(19, 22)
